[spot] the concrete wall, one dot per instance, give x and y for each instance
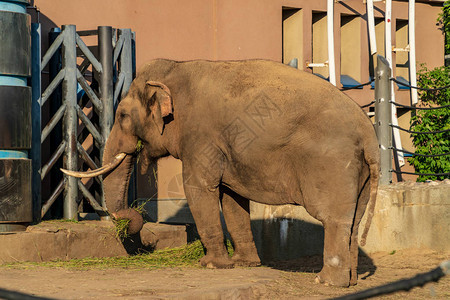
(407, 216)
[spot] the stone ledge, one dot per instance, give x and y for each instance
(57, 240)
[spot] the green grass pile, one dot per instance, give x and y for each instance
(121, 228)
(186, 256)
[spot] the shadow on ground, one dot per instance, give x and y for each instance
(297, 246)
(284, 244)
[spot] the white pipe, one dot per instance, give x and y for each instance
(317, 65)
(388, 42)
(371, 25)
(387, 32)
(330, 27)
(412, 50)
(406, 49)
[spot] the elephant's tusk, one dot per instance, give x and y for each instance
(100, 171)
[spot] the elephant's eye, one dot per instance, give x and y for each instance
(123, 115)
(124, 120)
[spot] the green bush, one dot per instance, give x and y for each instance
(444, 20)
(432, 120)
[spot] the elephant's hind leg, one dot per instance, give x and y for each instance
(335, 206)
(331, 198)
(336, 254)
(236, 211)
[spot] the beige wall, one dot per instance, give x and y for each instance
(182, 30)
(235, 29)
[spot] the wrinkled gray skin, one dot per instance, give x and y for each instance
(252, 130)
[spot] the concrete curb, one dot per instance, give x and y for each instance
(58, 240)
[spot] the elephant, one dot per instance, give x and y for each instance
(249, 130)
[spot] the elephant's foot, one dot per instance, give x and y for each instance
(246, 260)
(212, 261)
(336, 276)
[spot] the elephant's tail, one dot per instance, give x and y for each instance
(373, 160)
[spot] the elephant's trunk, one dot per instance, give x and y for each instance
(118, 160)
(115, 185)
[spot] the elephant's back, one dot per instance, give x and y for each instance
(218, 92)
(242, 81)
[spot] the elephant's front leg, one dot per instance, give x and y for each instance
(203, 200)
(236, 211)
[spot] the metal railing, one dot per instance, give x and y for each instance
(115, 64)
(384, 126)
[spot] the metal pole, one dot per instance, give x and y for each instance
(125, 62)
(293, 63)
(133, 52)
(105, 50)
(383, 116)
(126, 68)
(35, 153)
(70, 121)
(56, 135)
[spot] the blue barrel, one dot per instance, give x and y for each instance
(15, 116)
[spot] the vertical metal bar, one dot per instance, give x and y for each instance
(35, 153)
(56, 135)
(106, 83)
(293, 63)
(133, 194)
(126, 69)
(106, 79)
(70, 121)
(383, 116)
(125, 62)
(133, 52)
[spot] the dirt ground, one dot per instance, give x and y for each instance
(281, 280)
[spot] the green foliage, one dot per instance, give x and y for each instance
(444, 21)
(139, 205)
(432, 120)
(121, 224)
(139, 146)
(62, 221)
(121, 228)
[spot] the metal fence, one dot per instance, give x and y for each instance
(384, 126)
(82, 108)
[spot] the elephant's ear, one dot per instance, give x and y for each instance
(160, 103)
